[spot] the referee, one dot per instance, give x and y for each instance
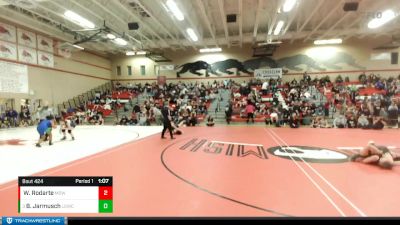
(166, 121)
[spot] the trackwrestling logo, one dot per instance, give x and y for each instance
(33, 220)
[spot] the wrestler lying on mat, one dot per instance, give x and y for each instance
(175, 129)
(377, 154)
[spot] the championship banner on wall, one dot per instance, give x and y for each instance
(27, 55)
(8, 33)
(8, 50)
(167, 67)
(45, 44)
(26, 38)
(274, 73)
(45, 59)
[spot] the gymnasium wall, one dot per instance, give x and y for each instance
(73, 72)
(349, 59)
(69, 78)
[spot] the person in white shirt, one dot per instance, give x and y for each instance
(307, 95)
(67, 124)
(107, 107)
(264, 87)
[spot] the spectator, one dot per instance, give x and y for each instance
(192, 120)
(378, 123)
(275, 118)
(264, 88)
(393, 114)
(294, 121)
(133, 120)
(123, 121)
(12, 116)
(351, 122)
(363, 121)
(228, 113)
(340, 121)
(136, 109)
(250, 111)
(210, 121)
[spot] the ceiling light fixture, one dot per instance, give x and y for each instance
(111, 36)
(192, 34)
(328, 42)
(79, 47)
(175, 10)
(279, 27)
(120, 41)
(289, 4)
(77, 19)
(129, 53)
(384, 18)
(209, 50)
(141, 53)
(269, 43)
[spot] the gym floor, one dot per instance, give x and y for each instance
(213, 171)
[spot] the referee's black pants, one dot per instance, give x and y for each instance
(167, 125)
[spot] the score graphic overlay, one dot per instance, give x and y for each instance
(65, 195)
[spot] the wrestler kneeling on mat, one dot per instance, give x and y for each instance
(44, 129)
(377, 154)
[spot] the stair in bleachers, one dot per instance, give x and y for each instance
(219, 115)
(84, 97)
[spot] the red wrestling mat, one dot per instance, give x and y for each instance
(240, 171)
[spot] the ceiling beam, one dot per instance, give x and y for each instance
(143, 23)
(101, 19)
(372, 8)
(24, 20)
(257, 21)
(248, 37)
(297, 24)
(240, 3)
(223, 19)
(275, 18)
(179, 28)
(334, 9)
(182, 30)
(196, 23)
(289, 23)
(384, 31)
(334, 25)
(162, 27)
(347, 14)
(206, 20)
(64, 22)
(59, 6)
(103, 4)
(316, 8)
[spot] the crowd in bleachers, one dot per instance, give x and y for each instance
(11, 118)
(189, 102)
(371, 103)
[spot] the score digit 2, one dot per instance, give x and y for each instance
(105, 193)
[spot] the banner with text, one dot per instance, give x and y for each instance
(274, 73)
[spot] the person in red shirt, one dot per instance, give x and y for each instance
(326, 109)
(250, 111)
